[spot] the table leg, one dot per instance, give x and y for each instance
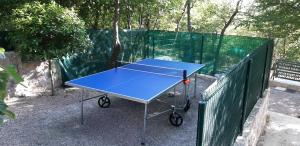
(174, 90)
(185, 91)
(195, 88)
(82, 94)
(145, 124)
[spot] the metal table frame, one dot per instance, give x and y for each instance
(146, 114)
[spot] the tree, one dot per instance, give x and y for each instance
(277, 19)
(116, 40)
(5, 73)
(226, 25)
(96, 13)
(47, 31)
(188, 13)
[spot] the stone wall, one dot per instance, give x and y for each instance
(255, 123)
(35, 74)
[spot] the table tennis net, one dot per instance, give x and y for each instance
(154, 69)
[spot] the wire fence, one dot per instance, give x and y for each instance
(138, 44)
(181, 46)
(226, 104)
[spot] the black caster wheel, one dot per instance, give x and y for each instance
(175, 119)
(104, 101)
(187, 106)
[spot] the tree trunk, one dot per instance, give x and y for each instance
(96, 19)
(284, 48)
(141, 18)
(222, 36)
(50, 76)
(179, 19)
(147, 22)
(103, 15)
(128, 9)
(116, 41)
(189, 28)
(188, 12)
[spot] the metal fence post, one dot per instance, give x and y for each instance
(271, 45)
(201, 123)
(146, 44)
(201, 48)
(153, 45)
(264, 72)
(245, 96)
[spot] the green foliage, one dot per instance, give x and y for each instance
(210, 17)
(93, 12)
(288, 49)
(168, 14)
(278, 19)
(45, 31)
(149, 14)
(6, 9)
(10, 71)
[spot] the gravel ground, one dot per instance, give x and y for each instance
(55, 120)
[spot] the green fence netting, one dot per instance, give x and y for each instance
(184, 46)
(95, 59)
(137, 44)
(228, 102)
(180, 46)
(256, 77)
(234, 49)
(220, 110)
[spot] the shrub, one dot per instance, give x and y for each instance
(46, 31)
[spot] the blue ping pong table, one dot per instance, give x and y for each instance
(142, 81)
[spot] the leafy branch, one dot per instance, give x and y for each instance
(5, 73)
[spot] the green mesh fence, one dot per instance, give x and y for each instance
(268, 63)
(201, 48)
(137, 44)
(176, 46)
(256, 77)
(234, 49)
(95, 59)
(183, 46)
(227, 103)
(220, 110)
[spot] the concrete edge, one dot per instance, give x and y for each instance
(207, 77)
(274, 83)
(255, 123)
